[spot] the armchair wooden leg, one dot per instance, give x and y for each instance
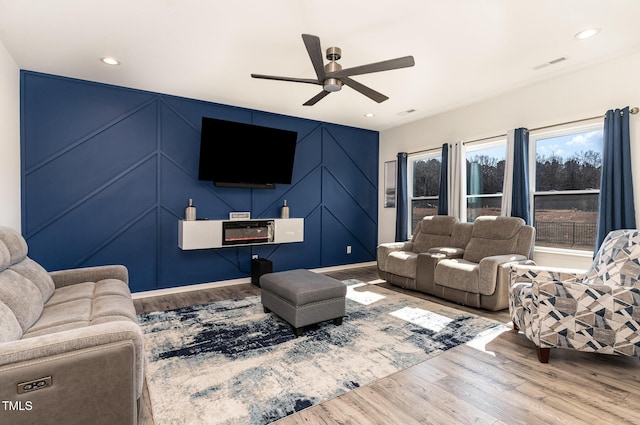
(543, 354)
(516, 328)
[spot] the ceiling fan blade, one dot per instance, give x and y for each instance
(403, 62)
(312, 43)
(316, 98)
(370, 93)
(295, 80)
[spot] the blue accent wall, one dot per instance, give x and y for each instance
(107, 172)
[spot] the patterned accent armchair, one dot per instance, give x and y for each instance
(597, 310)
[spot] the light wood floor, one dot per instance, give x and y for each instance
(501, 382)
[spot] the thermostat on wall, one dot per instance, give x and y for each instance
(239, 215)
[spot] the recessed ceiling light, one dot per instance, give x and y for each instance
(583, 35)
(369, 115)
(110, 61)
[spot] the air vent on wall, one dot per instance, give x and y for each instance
(551, 62)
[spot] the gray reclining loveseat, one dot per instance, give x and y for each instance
(462, 262)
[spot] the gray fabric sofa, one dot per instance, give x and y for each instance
(70, 345)
(468, 263)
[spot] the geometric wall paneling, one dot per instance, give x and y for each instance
(352, 178)
(107, 172)
(180, 140)
(137, 244)
(89, 165)
(336, 237)
(193, 110)
(87, 107)
(360, 147)
(344, 208)
(72, 237)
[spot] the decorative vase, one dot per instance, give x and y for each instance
(190, 211)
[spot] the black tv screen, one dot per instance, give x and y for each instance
(234, 154)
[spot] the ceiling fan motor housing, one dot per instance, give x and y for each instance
(332, 84)
(334, 53)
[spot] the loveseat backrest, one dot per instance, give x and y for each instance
(498, 236)
(433, 231)
(461, 235)
(24, 286)
(617, 262)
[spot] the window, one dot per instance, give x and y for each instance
(565, 175)
(485, 178)
(424, 184)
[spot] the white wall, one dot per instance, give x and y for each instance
(582, 94)
(9, 141)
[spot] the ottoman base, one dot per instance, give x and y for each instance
(303, 298)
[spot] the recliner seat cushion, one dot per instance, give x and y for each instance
(85, 304)
(458, 274)
(402, 263)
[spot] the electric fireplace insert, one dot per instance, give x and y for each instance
(244, 232)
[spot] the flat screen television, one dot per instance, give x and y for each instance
(234, 154)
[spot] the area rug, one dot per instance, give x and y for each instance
(230, 363)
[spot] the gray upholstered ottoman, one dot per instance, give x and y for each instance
(303, 298)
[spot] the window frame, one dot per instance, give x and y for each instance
(547, 133)
(477, 146)
(411, 158)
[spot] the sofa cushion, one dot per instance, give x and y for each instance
(458, 274)
(13, 247)
(402, 263)
(461, 235)
(493, 236)
(11, 329)
(24, 285)
(21, 296)
(85, 304)
(36, 274)
(434, 231)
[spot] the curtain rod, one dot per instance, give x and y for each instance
(633, 110)
(424, 150)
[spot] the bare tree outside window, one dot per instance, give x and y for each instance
(425, 185)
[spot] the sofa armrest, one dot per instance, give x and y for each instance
(533, 273)
(89, 375)
(384, 249)
(443, 252)
(64, 344)
(489, 269)
(89, 274)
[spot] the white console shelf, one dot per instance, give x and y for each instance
(204, 234)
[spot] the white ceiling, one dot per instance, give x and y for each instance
(465, 50)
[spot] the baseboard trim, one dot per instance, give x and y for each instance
(222, 283)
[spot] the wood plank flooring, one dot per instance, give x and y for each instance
(497, 382)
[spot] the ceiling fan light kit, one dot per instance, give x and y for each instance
(332, 77)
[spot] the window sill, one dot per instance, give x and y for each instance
(564, 251)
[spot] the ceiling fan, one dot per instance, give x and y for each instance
(331, 76)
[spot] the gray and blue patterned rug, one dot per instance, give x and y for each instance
(230, 363)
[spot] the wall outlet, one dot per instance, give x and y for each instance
(348, 249)
(254, 256)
